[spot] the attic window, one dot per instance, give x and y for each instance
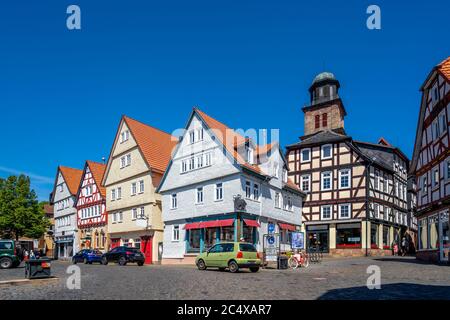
(124, 136)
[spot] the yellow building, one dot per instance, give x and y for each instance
(136, 164)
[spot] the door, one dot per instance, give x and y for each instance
(115, 243)
(317, 239)
(146, 248)
(213, 255)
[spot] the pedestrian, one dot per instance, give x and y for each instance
(395, 248)
(403, 246)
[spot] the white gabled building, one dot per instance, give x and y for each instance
(64, 211)
(213, 166)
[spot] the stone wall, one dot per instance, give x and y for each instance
(334, 119)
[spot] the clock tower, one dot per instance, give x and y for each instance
(326, 110)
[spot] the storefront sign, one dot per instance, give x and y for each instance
(298, 240)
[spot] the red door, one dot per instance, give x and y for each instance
(146, 248)
(115, 243)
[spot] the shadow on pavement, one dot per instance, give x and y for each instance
(395, 291)
(408, 260)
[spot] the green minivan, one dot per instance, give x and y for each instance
(9, 256)
(231, 255)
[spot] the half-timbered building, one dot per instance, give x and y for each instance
(92, 217)
(431, 165)
(356, 191)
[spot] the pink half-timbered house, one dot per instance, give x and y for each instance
(92, 217)
(431, 165)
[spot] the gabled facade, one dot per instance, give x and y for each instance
(356, 192)
(63, 199)
(138, 158)
(431, 165)
(92, 217)
(222, 186)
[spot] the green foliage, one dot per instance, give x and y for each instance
(20, 212)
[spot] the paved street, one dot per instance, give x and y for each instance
(402, 278)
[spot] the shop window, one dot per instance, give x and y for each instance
(247, 233)
(433, 232)
(194, 239)
(374, 236)
(227, 234)
(348, 236)
(210, 237)
(423, 243)
(137, 243)
(386, 242)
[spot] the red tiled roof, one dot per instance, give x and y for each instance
(444, 68)
(48, 209)
(155, 145)
(231, 140)
(98, 170)
(72, 177)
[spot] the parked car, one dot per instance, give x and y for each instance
(123, 255)
(87, 256)
(231, 255)
(10, 254)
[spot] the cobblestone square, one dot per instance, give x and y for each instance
(401, 278)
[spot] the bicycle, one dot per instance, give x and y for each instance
(298, 259)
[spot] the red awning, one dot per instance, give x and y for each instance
(217, 223)
(287, 226)
(209, 224)
(252, 223)
(194, 225)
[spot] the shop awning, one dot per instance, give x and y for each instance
(217, 223)
(209, 224)
(252, 223)
(287, 226)
(194, 225)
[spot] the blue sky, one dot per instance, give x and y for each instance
(248, 63)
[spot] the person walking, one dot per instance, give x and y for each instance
(403, 246)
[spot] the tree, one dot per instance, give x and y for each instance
(20, 212)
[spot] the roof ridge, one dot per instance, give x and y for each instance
(446, 60)
(96, 162)
(148, 125)
(66, 167)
